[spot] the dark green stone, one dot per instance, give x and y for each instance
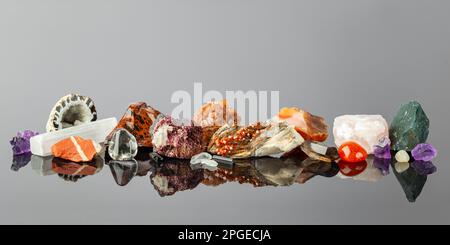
(409, 127)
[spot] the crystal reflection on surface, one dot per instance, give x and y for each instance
(20, 161)
(169, 176)
(66, 170)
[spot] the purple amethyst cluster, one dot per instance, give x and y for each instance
(21, 142)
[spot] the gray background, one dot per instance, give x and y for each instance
(328, 57)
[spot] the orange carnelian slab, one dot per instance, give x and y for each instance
(352, 152)
(311, 127)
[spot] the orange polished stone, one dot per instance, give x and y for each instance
(352, 152)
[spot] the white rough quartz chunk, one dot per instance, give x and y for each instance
(97, 131)
(366, 130)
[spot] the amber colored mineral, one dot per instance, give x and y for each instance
(311, 127)
(137, 120)
(76, 149)
(216, 113)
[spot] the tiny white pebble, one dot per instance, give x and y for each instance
(402, 156)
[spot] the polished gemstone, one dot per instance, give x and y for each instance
(402, 156)
(352, 152)
(97, 131)
(409, 127)
(366, 130)
(76, 149)
(311, 127)
(21, 142)
(383, 149)
(138, 120)
(423, 167)
(122, 146)
(424, 152)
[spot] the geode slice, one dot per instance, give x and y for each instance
(174, 139)
(71, 110)
(311, 127)
(409, 128)
(257, 140)
(137, 120)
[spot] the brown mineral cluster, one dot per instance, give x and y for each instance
(260, 139)
(311, 127)
(137, 120)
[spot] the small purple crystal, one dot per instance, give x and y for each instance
(383, 149)
(21, 143)
(424, 152)
(423, 167)
(382, 164)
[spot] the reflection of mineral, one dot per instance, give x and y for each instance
(72, 171)
(255, 140)
(20, 161)
(137, 120)
(411, 181)
(123, 171)
(243, 173)
(173, 139)
(216, 113)
(278, 172)
(175, 175)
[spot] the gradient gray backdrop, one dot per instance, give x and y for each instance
(329, 57)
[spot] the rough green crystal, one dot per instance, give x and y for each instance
(409, 127)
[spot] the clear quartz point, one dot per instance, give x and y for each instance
(122, 146)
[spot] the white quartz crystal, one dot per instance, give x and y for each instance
(366, 130)
(97, 131)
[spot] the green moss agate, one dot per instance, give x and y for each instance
(409, 127)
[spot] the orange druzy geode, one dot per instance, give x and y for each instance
(352, 152)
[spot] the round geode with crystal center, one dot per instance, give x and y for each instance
(71, 110)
